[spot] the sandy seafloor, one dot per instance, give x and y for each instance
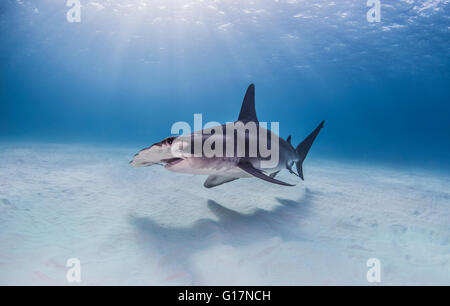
(149, 226)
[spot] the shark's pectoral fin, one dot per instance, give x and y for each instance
(247, 167)
(216, 180)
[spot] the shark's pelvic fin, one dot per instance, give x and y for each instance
(272, 175)
(288, 140)
(247, 167)
(248, 112)
(216, 180)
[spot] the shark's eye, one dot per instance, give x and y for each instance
(170, 140)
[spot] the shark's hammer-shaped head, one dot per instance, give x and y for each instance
(164, 151)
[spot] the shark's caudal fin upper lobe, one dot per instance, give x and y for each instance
(303, 148)
(248, 112)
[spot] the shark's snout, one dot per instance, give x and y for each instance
(157, 153)
(140, 160)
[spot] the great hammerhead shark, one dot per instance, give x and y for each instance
(233, 150)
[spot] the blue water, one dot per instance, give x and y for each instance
(130, 69)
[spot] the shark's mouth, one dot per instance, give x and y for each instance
(171, 161)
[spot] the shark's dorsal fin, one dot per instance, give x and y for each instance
(248, 112)
(288, 140)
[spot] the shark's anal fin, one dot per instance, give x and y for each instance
(247, 167)
(216, 180)
(291, 171)
(248, 112)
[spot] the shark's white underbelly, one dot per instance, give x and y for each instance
(224, 166)
(208, 166)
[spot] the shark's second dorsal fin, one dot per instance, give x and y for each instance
(288, 140)
(248, 112)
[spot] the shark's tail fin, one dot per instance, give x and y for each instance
(303, 148)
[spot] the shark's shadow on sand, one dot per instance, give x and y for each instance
(175, 246)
